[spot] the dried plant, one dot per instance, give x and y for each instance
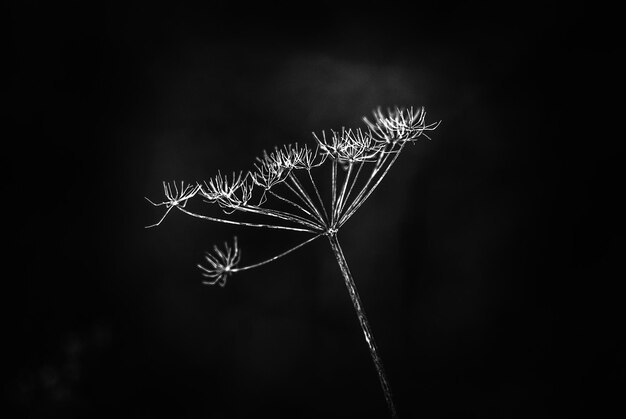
(359, 159)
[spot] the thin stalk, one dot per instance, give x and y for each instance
(356, 176)
(372, 175)
(278, 214)
(334, 190)
(306, 196)
(241, 223)
(369, 338)
(359, 200)
(303, 200)
(317, 192)
(290, 202)
(285, 253)
(343, 192)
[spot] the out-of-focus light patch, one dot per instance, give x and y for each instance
(316, 90)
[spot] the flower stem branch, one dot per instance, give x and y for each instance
(305, 196)
(290, 202)
(333, 191)
(317, 192)
(369, 337)
(356, 176)
(342, 194)
(278, 214)
(365, 193)
(285, 253)
(242, 223)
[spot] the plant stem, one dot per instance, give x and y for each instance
(241, 223)
(369, 338)
(285, 253)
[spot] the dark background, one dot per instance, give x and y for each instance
(487, 261)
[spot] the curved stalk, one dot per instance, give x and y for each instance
(285, 253)
(241, 223)
(369, 338)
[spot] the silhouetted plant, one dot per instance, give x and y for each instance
(286, 175)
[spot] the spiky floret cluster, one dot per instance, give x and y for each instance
(175, 197)
(399, 124)
(228, 193)
(350, 146)
(221, 263)
(285, 175)
(274, 167)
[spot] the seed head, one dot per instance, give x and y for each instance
(222, 264)
(229, 193)
(272, 168)
(304, 157)
(350, 146)
(399, 125)
(175, 197)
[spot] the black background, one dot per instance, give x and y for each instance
(487, 261)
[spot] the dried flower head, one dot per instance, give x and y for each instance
(288, 157)
(222, 264)
(399, 124)
(305, 209)
(271, 169)
(349, 146)
(175, 197)
(307, 158)
(228, 192)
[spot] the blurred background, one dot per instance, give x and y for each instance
(486, 261)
